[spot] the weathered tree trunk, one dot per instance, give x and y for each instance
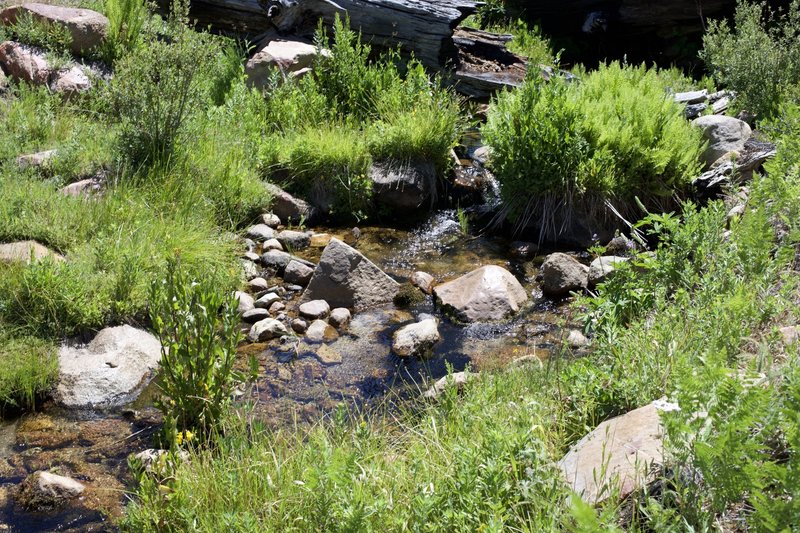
(424, 27)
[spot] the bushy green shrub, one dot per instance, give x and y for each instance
(156, 88)
(199, 330)
(758, 58)
(616, 135)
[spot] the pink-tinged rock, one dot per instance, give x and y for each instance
(70, 82)
(618, 456)
(87, 28)
(286, 57)
(25, 63)
(485, 294)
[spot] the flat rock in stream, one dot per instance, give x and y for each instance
(42, 491)
(344, 277)
(486, 294)
(109, 371)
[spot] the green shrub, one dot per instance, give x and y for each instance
(759, 58)
(156, 88)
(54, 38)
(28, 368)
(559, 146)
(199, 330)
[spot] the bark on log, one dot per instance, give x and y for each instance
(424, 27)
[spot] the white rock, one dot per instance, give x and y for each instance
(602, 267)
(485, 294)
(416, 339)
(266, 330)
(108, 372)
(266, 301)
(340, 317)
(246, 302)
(315, 309)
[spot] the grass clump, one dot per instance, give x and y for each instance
(28, 366)
(560, 146)
(758, 58)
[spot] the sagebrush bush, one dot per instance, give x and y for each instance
(617, 135)
(758, 58)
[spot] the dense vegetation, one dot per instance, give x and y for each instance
(185, 146)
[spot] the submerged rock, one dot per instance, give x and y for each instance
(110, 370)
(345, 278)
(43, 491)
(486, 294)
(416, 339)
(618, 454)
(321, 331)
(562, 274)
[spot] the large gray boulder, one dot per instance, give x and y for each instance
(110, 370)
(345, 278)
(486, 294)
(87, 28)
(562, 274)
(403, 186)
(416, 339)
(724, 134)
(618, 454)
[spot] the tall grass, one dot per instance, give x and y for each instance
(28, 367)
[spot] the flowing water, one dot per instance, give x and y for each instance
(295, 381)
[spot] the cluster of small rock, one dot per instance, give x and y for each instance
(87, 30)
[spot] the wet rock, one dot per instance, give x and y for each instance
(287, 207)
(488, 293)
(270, 219)
(246, 302)
(257, 284)
(320, 240)
(266, 330)
(602, 267)
(345, 278)
(276, 308)
(403, 187)
(275, 260)
(110, 370)
(320, 331)
(423, 281)
(260, 233)
(255, 315)
(43, 491)
(26, 252)
(562, 274)
(293, 288)
(299, 325)
(286, 57)
(724, 134)
(39, 159)
(271, 244)
(327, 355)
(294, 240)
(266, 301)
(297, 273)
(458, 379)
(315, 309)
(87, 28)
(408, 295)
(620, 452)
(416, 339)
(576, 339)
(340, 317)
(523, 250)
